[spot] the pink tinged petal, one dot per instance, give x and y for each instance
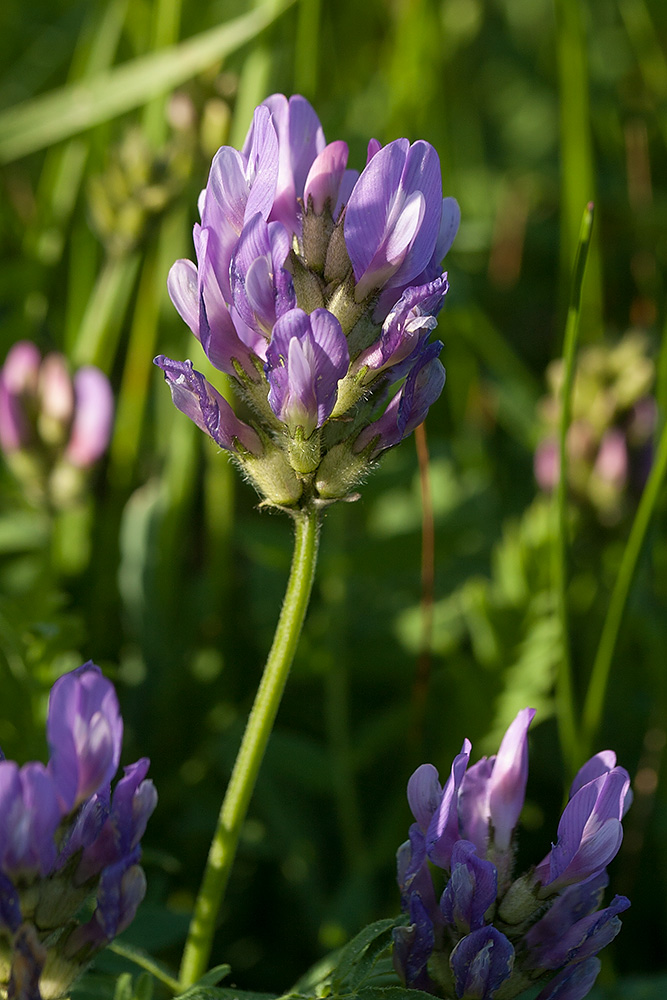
(84, 731)
(573, 982)
(14, 426)
(300, 139)
(424, 794)
(56, 394)
(325, 176)
(507, 788)
(203, 404)
(21, 368)
(443, 830)
(611, 464)
(93, 417)
(183, 288)
(18, 379)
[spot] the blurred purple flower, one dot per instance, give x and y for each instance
(481, 962)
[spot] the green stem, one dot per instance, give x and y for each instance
(565, 708)
(258, 729)
(601, 667)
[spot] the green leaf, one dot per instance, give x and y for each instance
(357, 958)
(71, 109)
(215, 993)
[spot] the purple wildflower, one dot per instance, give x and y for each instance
(64, 836)
(305, 360)
(296, 255)
(552, 926)
(481, 962)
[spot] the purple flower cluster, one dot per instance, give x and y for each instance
(53, 427)
(315, 290)
(490, 935)
(65, 837)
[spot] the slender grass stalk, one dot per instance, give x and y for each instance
(249, 758)
(565, 707)
(577, 169)
(307, 47)
(594, 703)
(76, 107)
(423, 671)
(97, 337)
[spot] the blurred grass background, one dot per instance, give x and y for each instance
(171, 579)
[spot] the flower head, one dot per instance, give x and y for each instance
(65, 837)
(490, 931)
(316, 290)
(53, 426)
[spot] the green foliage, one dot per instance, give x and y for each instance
(170, 578)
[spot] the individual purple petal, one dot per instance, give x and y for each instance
(300, 140)
(261, 289)
(224, 343)
(84, 732)
(93, 417)
(573, 983)
(474, 812)
(481, 962)
(238, 187)
(424, 794)
(10, 905)
(413, 874)
(573, 903)
(413, 946)
(18, 381)
(393, 215)
(325, 177)
(443, 830)
(200, 401)
(305, 360)
(507, 787)
(133, 802)
(597, 766)
(471, 889)
(121, 889)
(589, 832)
(405, 328)
(56, 396)
(183, 288)
(422, 387)
(582, 939)
(349, 179)
(409, 406)
(29, 816)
